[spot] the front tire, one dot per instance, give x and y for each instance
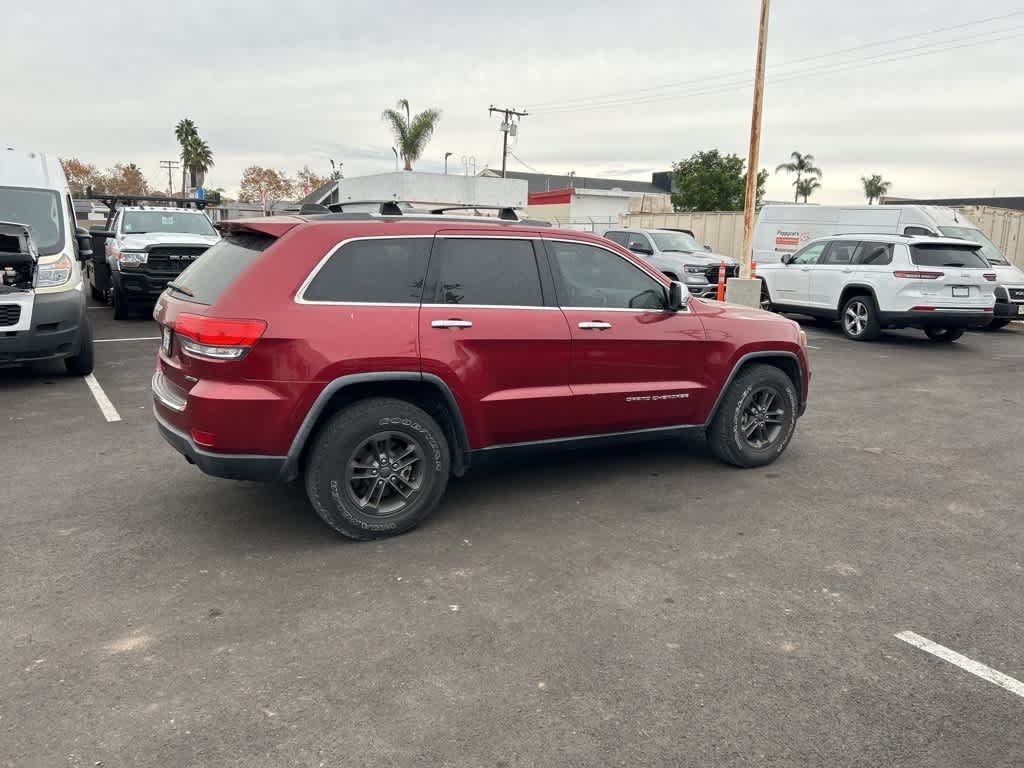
(121, 309)
(859, 318)
(82, 364)
(756, 418)
(377, 468)
(944, 335)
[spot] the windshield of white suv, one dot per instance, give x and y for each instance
(989, 251)
(675, 241)
(182, 222)
(40, 209)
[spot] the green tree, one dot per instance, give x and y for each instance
(411, 133)
(801, 165)
(807, 187)
(710, 181)
(874, 187)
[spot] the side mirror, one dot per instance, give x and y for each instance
(84, 240)
(787, 259)
(678, 296)
(638, 248)
(101, 232)
(707, 247)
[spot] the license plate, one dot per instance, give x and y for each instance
(961, 292)
(1020, 309)
(165, 341)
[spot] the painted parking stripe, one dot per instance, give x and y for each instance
(106, 407)
(133, 338)
(969, 665)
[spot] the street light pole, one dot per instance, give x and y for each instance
(750, 199)
(446, 156)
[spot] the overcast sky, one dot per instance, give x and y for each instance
(285, 84)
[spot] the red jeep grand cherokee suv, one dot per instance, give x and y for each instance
(376, 355)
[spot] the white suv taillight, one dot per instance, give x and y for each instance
(215, 338)
(918, 275)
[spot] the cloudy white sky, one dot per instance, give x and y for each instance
(285, 84)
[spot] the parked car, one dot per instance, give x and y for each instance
(870, 282)
(677, 254)
(376, 355)
(783, 229)
(144, 246)
(42, 307)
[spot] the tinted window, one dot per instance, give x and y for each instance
(873, 254)
(489, 272)
(41, 210)
(593, 277)
(206, 278)
(617, 237)
(840, 254)
(810, 254)
(946, 256)
(637, 240)
(918, 232)
(139, 222)
(385, 271)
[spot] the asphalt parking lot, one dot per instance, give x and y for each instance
(645, 606)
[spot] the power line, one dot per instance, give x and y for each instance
(523, 162)
(567, 103)
(844, 66)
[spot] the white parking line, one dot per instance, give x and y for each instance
(974, 667)
(106, 407)
(133, 338)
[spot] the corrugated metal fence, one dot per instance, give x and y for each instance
(722, 230)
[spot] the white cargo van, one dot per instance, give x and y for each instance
(42, 305)
(783, 229)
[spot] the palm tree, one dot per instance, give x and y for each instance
(874, 187)
(183, 132)
(801, 165)
(197, 157)
(806, 187)
(411, 133)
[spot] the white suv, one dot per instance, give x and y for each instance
(870, 282)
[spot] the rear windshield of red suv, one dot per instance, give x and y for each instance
(209, 276)
(947, 256)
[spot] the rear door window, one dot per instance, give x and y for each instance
(206, 278)
(873, 254)
(488, 272)
(375, 271)
(928, 255)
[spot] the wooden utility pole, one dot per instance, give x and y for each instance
(506, 126)
(750, 200)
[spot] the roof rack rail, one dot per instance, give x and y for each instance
(506, 214)
(112, 201)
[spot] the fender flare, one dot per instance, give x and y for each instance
(859, 287)
(309, 422)
(736, 369)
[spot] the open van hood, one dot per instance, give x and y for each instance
(18, 257)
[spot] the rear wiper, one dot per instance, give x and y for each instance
(180, 289)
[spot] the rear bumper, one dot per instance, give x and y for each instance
(1008, 310)
(229, 466)
(937, 319)
(55, 332)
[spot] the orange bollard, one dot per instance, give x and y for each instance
(753, 268)
(720, 296)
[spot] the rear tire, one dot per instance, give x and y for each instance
(96, 293)
(756, 418)
(377, 468)
(944, 335)
(859, 318)
(82, 363)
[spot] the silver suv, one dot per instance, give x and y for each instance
(678, 254)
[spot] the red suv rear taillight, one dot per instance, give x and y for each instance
(917, 275)
(215, 338)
